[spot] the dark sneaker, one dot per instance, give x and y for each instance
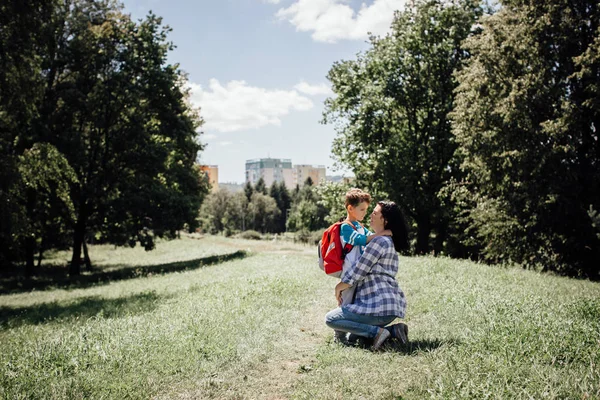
(401, 332)
(340, 337)
(381, 337)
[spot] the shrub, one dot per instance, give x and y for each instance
(308, 237)
(250, 234)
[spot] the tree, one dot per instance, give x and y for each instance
(24, 33)
(260, 186)
(391, 110)
(332, 198)
(46, 177)
(237, 214)
(263, 212)
(248, 190)
(307, 212)
(526, 118)
(281, 195)
(216, 211)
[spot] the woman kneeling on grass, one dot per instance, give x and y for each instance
(378, 298)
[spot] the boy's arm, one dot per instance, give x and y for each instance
(351, 236)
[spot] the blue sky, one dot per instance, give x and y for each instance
(257, 70)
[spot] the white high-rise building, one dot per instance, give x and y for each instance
(271, 170)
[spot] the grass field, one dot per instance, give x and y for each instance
(233, 319)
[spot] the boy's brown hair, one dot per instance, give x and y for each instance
(356, 196)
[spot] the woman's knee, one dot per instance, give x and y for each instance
(333, 316)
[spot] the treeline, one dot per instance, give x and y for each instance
(274, 209)
(97, 140)
(483, 125)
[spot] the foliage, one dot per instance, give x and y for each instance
(263, 213)
(49, 213)
(307, 211)
(248, 190)
(236, 215)
(251, 235)
(526, 119)
(216, 211)
(595, 217)
(260, 186)
(84, 78)
(280, 193)
(332, 198)
(391, 110)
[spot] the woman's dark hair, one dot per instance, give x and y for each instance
(395, 222)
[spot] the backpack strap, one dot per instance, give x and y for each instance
(347, 247)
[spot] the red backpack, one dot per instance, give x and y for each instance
(331, 253)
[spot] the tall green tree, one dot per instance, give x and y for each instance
(248, 191)
(123, 121)
(332, 197)
(526, 118)
(307, 211)
(260, 186)
(237, 216)
(391, 110)
(46, 179)
(214, 211)
(263, 212)
(280, 193)
(80, 76)
(25, 34)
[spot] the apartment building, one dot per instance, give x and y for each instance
(303, 171)
(271, 170)
(212, 171)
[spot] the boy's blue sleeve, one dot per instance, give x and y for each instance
(350, 235)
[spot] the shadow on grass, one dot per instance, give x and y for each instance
(413, 348)
(418, 347)
(116, 273)
(80, 309)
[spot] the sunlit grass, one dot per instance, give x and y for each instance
(253, 328)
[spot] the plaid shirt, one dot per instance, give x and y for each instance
(374, 274)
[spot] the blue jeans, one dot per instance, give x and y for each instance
(341, 319)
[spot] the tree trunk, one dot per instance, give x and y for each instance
(41, 254)
(423, 231)
(440, 236)
(30, 239)
(78, 236)
(29, 255)
(86, 256)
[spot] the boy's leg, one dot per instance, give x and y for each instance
(362, 325)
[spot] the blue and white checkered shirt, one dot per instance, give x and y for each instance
(374, 274)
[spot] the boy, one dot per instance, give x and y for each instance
(352, 232)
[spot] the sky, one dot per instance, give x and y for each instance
(257, 69)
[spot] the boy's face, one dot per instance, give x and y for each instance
(358, 213)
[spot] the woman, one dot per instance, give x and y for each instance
(378, 299)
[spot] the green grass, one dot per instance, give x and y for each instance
(252, 327)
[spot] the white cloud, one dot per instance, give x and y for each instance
(225, 143)
(271, 1)
(313, 90)
(237, 106)
(208, 136)
(330, 20)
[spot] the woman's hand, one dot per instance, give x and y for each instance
(339, 288)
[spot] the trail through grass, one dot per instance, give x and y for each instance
(252, 327)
